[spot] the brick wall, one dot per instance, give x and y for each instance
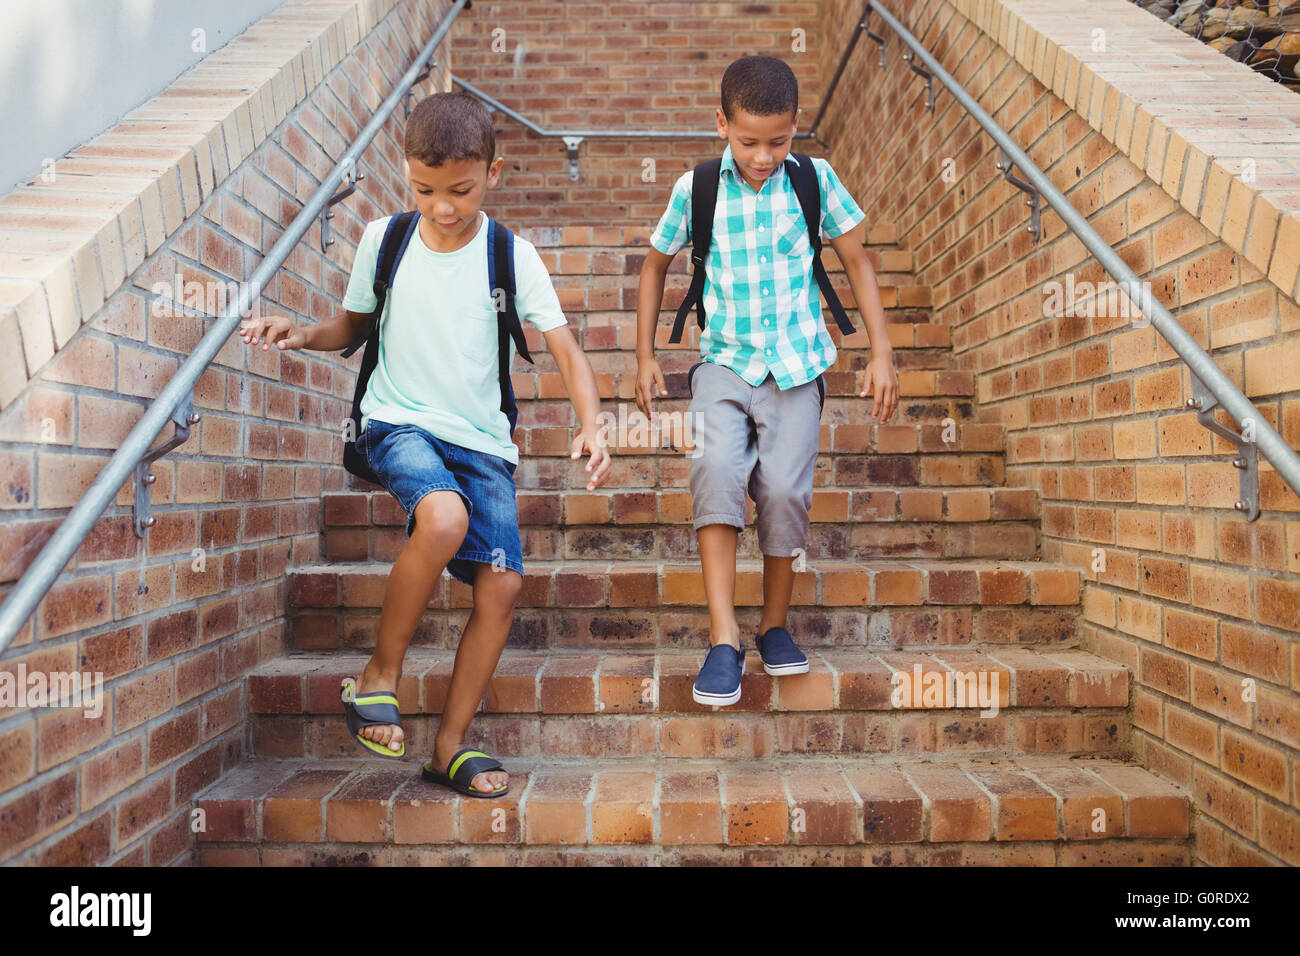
(174, 622)
(1193, 599)
(619, 66)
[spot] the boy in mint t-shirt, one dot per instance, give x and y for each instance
(433, 430)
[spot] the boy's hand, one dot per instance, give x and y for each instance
(883, 380)
(594, 442)
(273, 330)
(648, 375)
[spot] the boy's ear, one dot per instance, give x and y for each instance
(494, 171)
(722, 122)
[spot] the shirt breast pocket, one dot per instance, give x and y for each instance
(792, 236)
(477, 338)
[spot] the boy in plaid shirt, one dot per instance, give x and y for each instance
(758, 390)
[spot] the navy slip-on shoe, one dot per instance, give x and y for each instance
(780, 656)
(719, 680)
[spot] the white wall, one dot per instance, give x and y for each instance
(70, 69)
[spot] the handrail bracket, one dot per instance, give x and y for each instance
(182, 417)
(1247, 459)
(910, 58)
(1035, 200)
(419, 78)
(351, 178)
(571, 144)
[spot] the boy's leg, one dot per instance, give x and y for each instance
(491, 558)
(778, 585)
(440, 523)
(787, 429)
(496, 592)
(724, 454)
(718, 561)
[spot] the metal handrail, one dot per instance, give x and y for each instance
(1210, 386)
(573, 137)
(174, 401)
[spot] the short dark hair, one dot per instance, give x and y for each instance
(450, 126)
(762, 85)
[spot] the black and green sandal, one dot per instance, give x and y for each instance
(464, 767)
(371, 710)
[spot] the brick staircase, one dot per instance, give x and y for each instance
(919, 562)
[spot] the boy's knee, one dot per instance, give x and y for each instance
(498, 588)
(441, 520)
(782, 498)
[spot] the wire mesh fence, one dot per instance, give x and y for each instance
(1263, 34)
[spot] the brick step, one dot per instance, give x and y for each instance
(600, 330)
(725, 736)
(845, 810)
(825, 583)
(542, 703)
(848, 472)
(899, 603)
(643, 473)
(920, 371)
(640, 628)
(656, 526)
(634, 239)
(863, 542)
(548, 432)
(920, 410)
(659, 681)
(612, 292)
(840, 383)
(671, 435)
(606, 356)
(860, 505)
(572, 259)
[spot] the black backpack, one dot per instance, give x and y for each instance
(704, 200)
(501, 275)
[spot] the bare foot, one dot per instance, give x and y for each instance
(486, 782)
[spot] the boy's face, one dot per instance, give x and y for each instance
(450, 195)
(759, 144)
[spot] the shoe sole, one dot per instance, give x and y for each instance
(783, 670)
(717, 700)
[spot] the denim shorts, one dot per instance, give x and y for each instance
(410, 463)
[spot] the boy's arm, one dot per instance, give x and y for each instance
(337, 332)
(580, 383)
(880, 372)
(649, 298)
(333, 334)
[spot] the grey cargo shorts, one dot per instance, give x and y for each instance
(754, 438)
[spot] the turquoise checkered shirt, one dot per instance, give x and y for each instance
(761, 301)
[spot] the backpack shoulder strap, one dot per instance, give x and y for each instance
(704, 201)
(397, 236)
(501, 275)
(803, 175)
(501, 281)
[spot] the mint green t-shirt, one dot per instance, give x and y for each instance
(437, 365)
